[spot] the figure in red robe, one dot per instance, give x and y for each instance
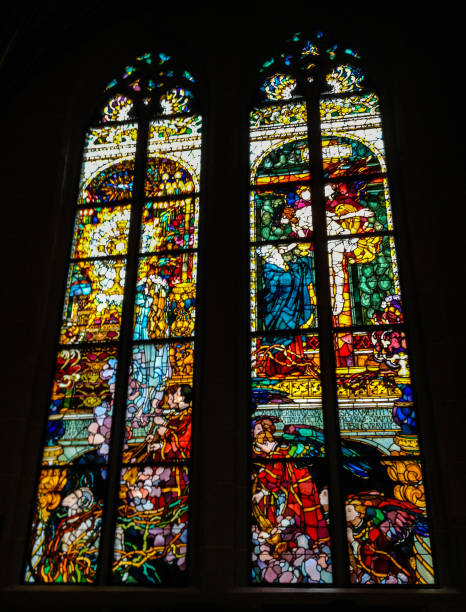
(282, 490)
(170, 435)
(173, 435)
(380, 536)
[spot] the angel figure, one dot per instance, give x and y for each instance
(380, 534)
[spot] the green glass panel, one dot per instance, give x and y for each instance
(364, 282)
(281, 212)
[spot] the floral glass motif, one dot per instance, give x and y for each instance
(388, 533)
(345, 78)
(152, 524)
(279, 87)
(151, 536)
(150, 542)
(176, 101)
(118, 109)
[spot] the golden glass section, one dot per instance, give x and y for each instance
(165, 296)
(388, 532)
(287, 418)
(352, 137)
(118, 108)
(252, 291)
(100, 232)
(93, 302)
(279, 87)
(375, 395)
(292, 361)
(81, 406)
(280, 115)
(361, 105)
(174, 150)
(345, 78)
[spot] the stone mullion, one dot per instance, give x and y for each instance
(124, 356)
(324, 314)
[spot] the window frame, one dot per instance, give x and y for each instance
(79, 101)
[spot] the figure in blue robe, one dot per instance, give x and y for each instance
(286, 299)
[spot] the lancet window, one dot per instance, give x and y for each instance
(113, 494)
(337, 483)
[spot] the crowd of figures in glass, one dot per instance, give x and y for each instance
(151, 533)
(387, 525)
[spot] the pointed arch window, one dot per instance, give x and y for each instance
(335, 450)
(112, 502)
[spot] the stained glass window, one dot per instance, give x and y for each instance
(330, 363)
(113, 494)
